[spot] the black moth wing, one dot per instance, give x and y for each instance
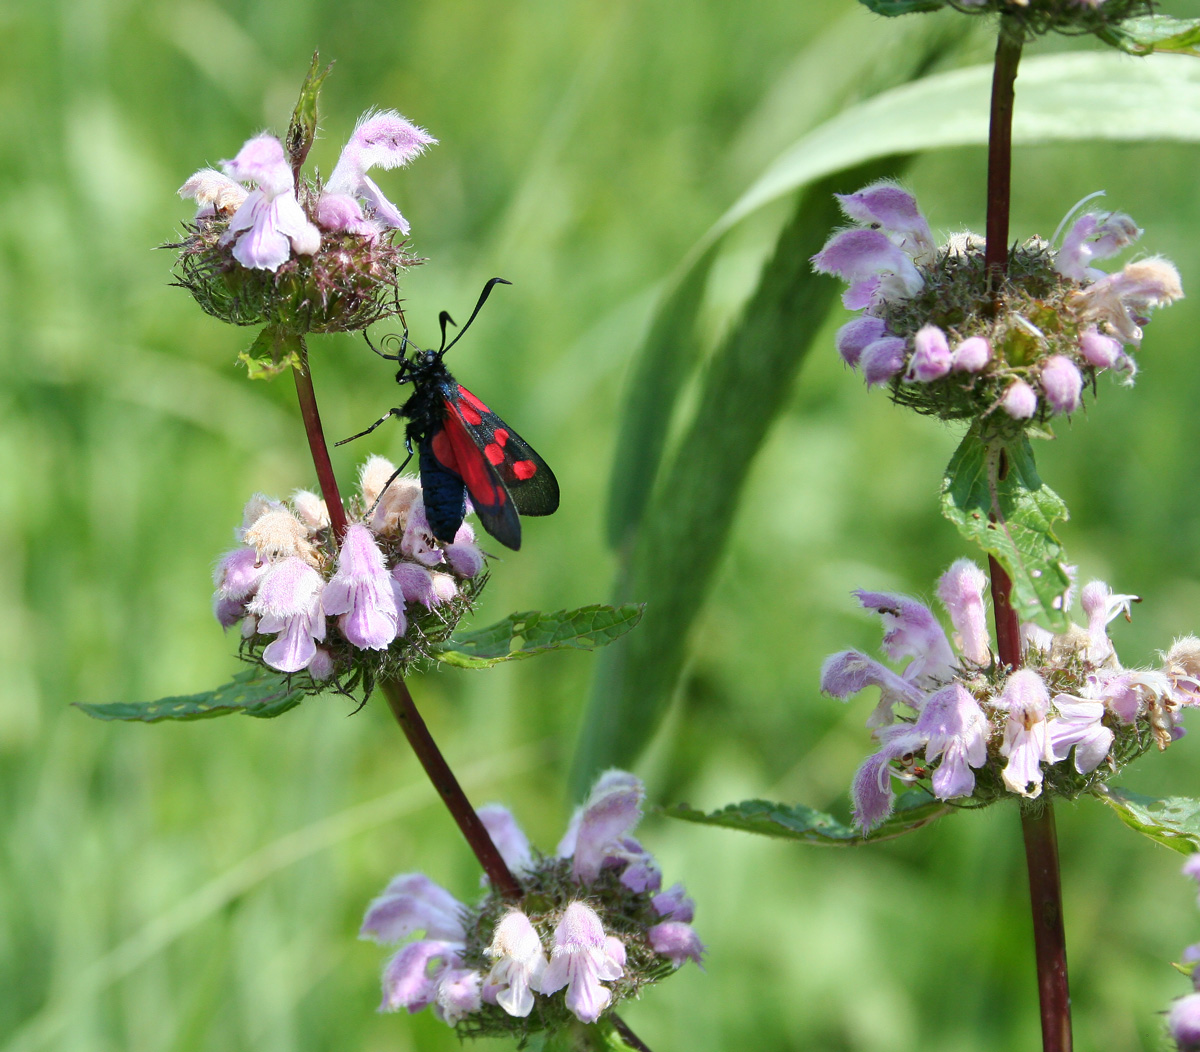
(526, 476)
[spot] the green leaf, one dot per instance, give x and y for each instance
(253, 692)
(1149, 33)
(1173, 821)
(913, 810)
(1011, 517)
(660, 371)
(273, 351)
(892, 8)
(870, 56)
(303, 128)
(527, 634)
(1061, 98)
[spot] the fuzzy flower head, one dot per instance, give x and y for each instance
(1073, 18)
(929, 329)
(958, 725)
(344, 612)
(269, 246)
(586, 934)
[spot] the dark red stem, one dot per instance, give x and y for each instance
(405, 710)
(316, 445)
(1049, 938)
(1008, 626)
(1041, 842)
(1004, 77)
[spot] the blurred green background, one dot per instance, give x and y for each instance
(198, 887)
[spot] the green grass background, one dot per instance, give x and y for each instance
(198, 887)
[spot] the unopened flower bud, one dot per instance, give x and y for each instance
(1061, 383)
(1019, 401)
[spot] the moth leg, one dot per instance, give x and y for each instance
(382, 420)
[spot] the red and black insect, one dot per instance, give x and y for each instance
(463, 448)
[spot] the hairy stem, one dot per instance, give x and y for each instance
(316, 445)
(1049, 937)
(405, 710)
(999, 184)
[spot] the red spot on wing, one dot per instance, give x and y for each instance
(469, 464)
(500, 437)
(471, 407)
(524, 469)
(493, 452)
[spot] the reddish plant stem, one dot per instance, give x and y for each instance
(405, 710)
(316, 445)
(1041, 842)
(1008, 625)
(1049, 938)
(1004, 77)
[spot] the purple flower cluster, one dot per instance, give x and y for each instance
(595, 924)
(929, 326)
(389, 585)
(263, 247)
(268, 224)
(970, 727)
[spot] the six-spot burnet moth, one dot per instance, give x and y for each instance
(463, 448)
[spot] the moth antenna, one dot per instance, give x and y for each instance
(384, 341)
(444, 319)
(487, 291)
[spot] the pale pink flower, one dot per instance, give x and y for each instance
(931, 359)
(411, 903)
(955, 729)
(960, 589)
(520, 963)
(853, 337)
(895, 210)
(676, 940)
(582, 960)
(911, 630)
(458, 994)
(213, 193)
(288, 601)
(1026, 741)
(1077, 724)
(1094, 236)
(361, 593)
(380, 140)
(411, 977)
(270, 223)
(871, 789)
(883, 359)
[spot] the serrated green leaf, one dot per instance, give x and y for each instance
(892, 8)
(253, 692)
(1011, 518)
(273, 351)
(1173, 821)
(303, 127)
(527, 634)
(1149, 33)
(913, 810)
